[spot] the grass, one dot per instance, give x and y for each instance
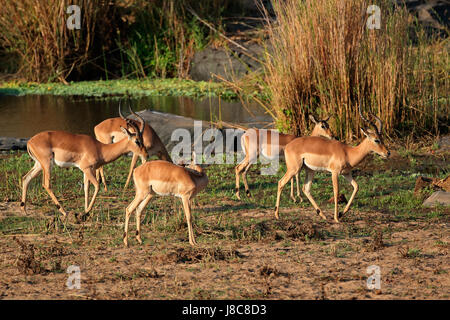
(322, 59)
(385, 194)
(147, 87)
(135, 38)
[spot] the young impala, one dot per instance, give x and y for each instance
(165, 179)
(252, 149)
(319, 154)
(108, 131)
(84, 152)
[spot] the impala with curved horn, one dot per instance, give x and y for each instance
(82, 151)
(165, 179)
(252, 148)
(108, 131)
(319, 154)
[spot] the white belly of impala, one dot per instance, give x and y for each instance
(63, 164)
(316, 168)
(163, 188)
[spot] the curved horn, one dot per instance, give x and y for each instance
(120, 112)
(141, 130)
(379, 125)
(361, 115)
(312, 118)
(328, 118)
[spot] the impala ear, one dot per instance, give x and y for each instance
(311, 117)
(364, 132)
(126, 132)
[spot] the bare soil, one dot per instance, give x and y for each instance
(308, 259)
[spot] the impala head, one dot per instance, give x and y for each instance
(135, 134)
(131, 124)
(374, 137)
(321, 128)
(193, 165)
(135, 143)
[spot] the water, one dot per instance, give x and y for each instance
(24, 116)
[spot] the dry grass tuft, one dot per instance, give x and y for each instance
(322, 59)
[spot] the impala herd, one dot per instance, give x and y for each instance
(117, 136)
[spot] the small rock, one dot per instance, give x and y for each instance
(341, 199)
(439, 197)
(444, 184)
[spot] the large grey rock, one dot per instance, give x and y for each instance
(230, 63)
(433, 14)
(444, 144)
(438, 198)
(8, 143)
(165, 124)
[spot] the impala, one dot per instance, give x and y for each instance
(109, 131)
(319, 154)
(252, 148)
(165, 179)
(82, 151)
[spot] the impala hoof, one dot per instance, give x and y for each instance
(320, 213)
(81, 217)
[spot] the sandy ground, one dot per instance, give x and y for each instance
(412, 259)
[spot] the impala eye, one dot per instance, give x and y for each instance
(377, 141)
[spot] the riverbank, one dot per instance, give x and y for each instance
(242, 252)
(110, 88)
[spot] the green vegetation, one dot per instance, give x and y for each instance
(119, 39)
(145, 87)
(324, 60)
(385, 196)
(320, 58)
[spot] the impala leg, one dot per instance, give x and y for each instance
(100, 174)
(244, 178)
(307, 188)
(241, 166)
(352, 181)
(298, 186)
(187, 212)
(46, 185)
(287, 176)
(139, 209)
(128, 211)
(130, 173)
(86, 192)
(292, 191)
(89, 175)
(298, 189)
(26, 181)
(335, 179)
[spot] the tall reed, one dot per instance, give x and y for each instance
(37, 32)
(165, 35)
(322, 59)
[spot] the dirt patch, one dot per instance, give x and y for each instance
(376, 242)
(32, 260)
(26, 261)
(282, 229)
(198, 254)
(297, 230)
